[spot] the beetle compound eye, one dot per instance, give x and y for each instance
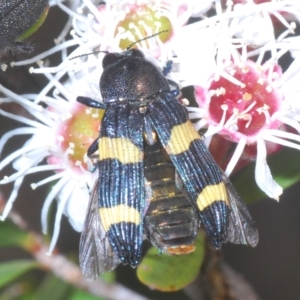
(109, 59)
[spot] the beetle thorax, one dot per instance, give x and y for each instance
(133, 79)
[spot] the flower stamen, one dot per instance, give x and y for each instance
(48, 179)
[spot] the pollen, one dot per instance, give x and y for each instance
(245, 69)
(220, 91)
(185, 101)
(71, 152)
(260, 81)
(269, 89)
(247, 97)
(78, 163)
(33, 186)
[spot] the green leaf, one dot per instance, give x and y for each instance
(52, 288)
(171, 273)
(108, 277)
(13, 269)
(83, 295)
(16, 292)
(11, 235)
(284, 166)
(27, 296)
(35, 26)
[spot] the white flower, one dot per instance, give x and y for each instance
(254, 24)
(241, 98)
(60, 135)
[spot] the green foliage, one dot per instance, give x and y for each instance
(11, 235)
(82, 295)
(109, 277)
(35, 26)
(52, 288)
(284, 166)
(9, 271)
(171, 273)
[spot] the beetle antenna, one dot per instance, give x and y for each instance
(88, 54)
(146, 38)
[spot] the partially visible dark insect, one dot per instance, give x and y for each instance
(16, 17)
(156, 176)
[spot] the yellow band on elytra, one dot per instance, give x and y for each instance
(117, 214)
(181, 137)
(211, 194)
(119, 148)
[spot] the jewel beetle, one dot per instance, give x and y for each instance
(157, 179)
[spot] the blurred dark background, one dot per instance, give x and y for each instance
(272, 268)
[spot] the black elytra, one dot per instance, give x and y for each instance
(157, 178)
(16, 17)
